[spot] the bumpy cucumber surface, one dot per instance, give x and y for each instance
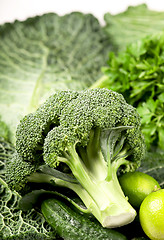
(71, 225)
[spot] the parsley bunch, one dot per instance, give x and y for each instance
(138, 73)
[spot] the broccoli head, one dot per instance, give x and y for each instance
(82, 141)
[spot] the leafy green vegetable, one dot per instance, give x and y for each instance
(45, 54)
(153, 120)
(137, 73)
(15, 223)
(133, 24)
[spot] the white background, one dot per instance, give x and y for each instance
(11, 10)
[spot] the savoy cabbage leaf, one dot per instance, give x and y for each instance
(45, 54)
(15, 223)
(133, 24)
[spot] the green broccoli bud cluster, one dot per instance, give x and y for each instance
(93, 134)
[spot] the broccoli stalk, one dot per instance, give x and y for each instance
(94, 134)
(95, 169)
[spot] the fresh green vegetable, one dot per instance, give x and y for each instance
(137, 73)
(71, 225)
(133, 24)
(45, 54)
(14, 223)
(84, 138)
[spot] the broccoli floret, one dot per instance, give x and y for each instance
(17, 172)
(82, 141)
(34, 127)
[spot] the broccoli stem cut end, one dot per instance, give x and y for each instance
(115, 210)
(119, 220)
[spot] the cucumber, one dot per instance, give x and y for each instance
(70, 224)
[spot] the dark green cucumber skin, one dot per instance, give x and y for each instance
(71, 225)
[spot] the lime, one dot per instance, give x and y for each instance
(137, 185)
(151, 215)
